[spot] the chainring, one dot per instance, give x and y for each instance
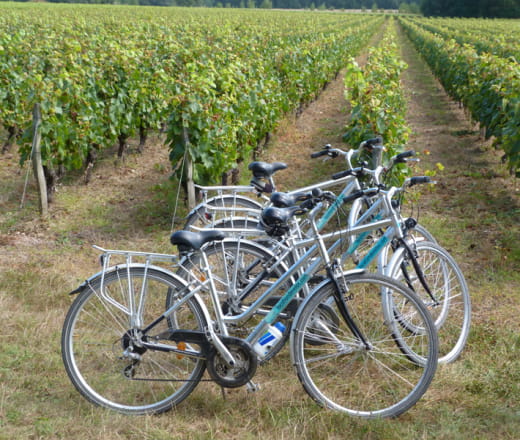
(237, 375)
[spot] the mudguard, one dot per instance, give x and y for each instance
(111, 269)
(217, 200)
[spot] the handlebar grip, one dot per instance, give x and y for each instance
(372, 142)
(353, 196)
(401, 157)
(370, 192)
(341, 174)
(319, 154)
(419, 180)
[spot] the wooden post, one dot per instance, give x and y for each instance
(190, 186)
(36, 158)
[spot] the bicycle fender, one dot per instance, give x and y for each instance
(388, 265)
(194, 210)
(218, 200)
(86, 284)
(328, 280)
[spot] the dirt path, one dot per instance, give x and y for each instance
(475, 198)
(473, 183)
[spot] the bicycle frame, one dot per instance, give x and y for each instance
(307, 261)
(393, 230)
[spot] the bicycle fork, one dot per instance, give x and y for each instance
(334, 273)
(418, 270)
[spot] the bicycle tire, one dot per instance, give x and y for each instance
(337, 370)
(95, 333)
(451, 306)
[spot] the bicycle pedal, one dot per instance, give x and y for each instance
(252, 387)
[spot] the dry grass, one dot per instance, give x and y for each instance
(474, 211)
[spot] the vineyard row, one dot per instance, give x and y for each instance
(218, 82)
(487, 85)
(496, 37)
(378, 100)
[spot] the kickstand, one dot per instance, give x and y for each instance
(223, 391)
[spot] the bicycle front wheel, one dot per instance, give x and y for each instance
(373, 378)
(448, 301)
(100, 344)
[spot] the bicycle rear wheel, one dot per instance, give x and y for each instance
(222, 207)
(235, 264)
(97, 332)
(340, 372)
(449, 302)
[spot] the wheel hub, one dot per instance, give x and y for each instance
(131, 343)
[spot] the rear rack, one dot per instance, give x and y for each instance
(125, 260)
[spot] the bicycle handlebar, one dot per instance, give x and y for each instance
(411, 181)
(360, 171)
(401, 157)
(333, 152)
(370, 143)
(342, 174)
(364, 192)
(417, 180)
(319, 154)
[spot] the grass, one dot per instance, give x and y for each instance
(473, 211)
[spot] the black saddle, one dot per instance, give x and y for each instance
(264, 170)
(188, 241)
(275, 221)
(285, 200)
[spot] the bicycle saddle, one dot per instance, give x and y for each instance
(275, 220)
(285, 200)
(264, 170)
(187, 241)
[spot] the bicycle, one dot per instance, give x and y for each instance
(124, 348)
(426, 268)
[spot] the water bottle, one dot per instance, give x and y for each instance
(269, 339)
